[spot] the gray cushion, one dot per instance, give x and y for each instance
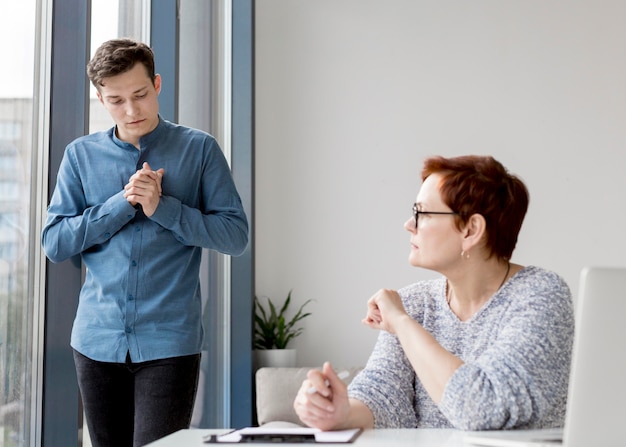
(276, 389)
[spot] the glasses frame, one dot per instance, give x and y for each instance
(416, 213)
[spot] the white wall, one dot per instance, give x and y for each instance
(352, 95)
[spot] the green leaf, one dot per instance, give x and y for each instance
(272, 329)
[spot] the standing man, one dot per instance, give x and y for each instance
(137, 203)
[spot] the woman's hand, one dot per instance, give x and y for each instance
(322, 401)
(384, 310)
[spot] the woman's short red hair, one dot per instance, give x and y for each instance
(475, 184)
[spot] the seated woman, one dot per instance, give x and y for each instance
(486, 346)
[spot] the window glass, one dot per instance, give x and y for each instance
(17, 51)
(111, 19)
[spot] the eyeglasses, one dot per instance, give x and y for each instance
(416, 213)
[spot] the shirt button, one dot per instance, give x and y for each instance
(137, 228)
(130, 297)
(133, 263)
(107, 235)
(128, 330)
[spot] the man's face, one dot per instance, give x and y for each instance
(132, 101)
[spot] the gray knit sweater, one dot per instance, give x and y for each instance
(516, 352)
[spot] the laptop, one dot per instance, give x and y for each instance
(596, 405)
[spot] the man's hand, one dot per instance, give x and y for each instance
(144, 187)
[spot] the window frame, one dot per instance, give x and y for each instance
(64, 51)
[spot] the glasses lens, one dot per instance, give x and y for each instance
(415, 214)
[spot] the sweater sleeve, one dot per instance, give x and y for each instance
(521, 378)
(386, 385)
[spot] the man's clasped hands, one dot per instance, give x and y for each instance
(144, 188)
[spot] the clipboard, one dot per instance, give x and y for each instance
(285, 435)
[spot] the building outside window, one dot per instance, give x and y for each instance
(17, 51)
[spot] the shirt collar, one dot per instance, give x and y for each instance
(143, 141)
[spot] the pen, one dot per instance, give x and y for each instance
(342, 375)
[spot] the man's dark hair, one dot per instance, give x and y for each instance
(117, 56)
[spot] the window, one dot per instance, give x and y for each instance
(111, 19)
(17, 32)
(31, 141)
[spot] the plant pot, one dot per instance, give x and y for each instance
(283, 358)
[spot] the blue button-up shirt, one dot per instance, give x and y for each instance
(142, 292)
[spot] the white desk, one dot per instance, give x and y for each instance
(369, 438)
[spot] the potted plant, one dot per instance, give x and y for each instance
(273, 331)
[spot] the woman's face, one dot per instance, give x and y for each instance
(436, 242)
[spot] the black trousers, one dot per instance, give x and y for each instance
(132, 404)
